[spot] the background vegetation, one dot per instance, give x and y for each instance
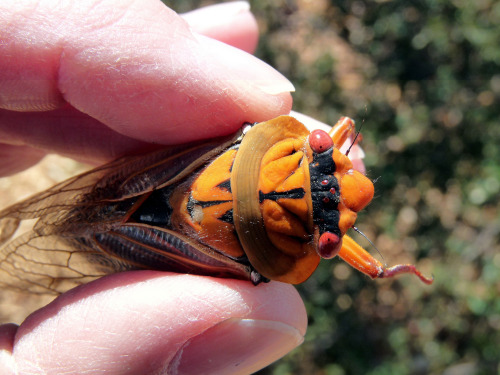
(423, 77)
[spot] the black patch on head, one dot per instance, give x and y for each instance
(325, 192)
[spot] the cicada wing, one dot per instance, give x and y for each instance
(53, 204)
(160, 169)
(8, 227)
(51, 264)
(145, 246)
(34, 269)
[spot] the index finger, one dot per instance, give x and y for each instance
(136, 67)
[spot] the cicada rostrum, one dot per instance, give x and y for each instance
(264, 204)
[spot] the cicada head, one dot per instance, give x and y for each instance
(338, 191)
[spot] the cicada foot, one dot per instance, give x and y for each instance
(256, 278)
(361, 260)
(404, 268)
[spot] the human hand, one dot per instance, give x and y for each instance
(95, 80)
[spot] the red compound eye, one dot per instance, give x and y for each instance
(329, 245)
(320, 141)
(332, 190)
(324, 182)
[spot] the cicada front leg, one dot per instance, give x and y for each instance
(353, 254)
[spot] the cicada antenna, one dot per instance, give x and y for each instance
(370, 242)
(354, 141)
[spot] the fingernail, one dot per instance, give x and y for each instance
(236, 67)
(235, 346)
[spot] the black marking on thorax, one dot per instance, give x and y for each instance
(193, 204)
(297, 193)
(225, 185)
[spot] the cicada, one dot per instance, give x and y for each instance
(266, 203)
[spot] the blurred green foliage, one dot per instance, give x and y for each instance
(423, 78)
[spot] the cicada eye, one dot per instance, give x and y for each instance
(320, 141)
(329, 245)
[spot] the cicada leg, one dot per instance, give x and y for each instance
(360, 259)
(343, 130)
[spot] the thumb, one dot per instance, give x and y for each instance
(152, 322)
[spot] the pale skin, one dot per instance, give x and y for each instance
(94, 80)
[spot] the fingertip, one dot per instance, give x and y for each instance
(275, 325)
(186, 86)
(309, 122)
(157, 312)
(160, 83)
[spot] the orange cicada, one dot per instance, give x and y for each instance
(264, 204)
